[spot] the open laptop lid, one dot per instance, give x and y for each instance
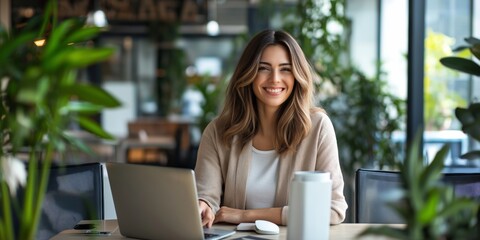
(154, 202)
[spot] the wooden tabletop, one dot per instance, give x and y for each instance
(345, 231)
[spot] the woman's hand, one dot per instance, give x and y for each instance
(236, 216)
(206, 213)
(230, 215)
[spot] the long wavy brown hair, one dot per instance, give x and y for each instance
(239, 116)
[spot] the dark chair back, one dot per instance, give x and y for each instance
(74, 193)
(373, 190)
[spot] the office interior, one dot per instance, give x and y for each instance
(173, 59)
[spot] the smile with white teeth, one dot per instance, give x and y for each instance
(274, 90)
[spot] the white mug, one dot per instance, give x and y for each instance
(309, 206)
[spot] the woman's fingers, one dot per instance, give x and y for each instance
(206, 213)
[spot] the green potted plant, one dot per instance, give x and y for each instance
(470, 116)
(40, 97)
(429, 207)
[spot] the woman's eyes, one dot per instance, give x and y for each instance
(262, 68)
(285, 69)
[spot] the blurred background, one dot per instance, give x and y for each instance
(173, 61)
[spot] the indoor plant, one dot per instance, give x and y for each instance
(429, 207)
(470, 116)
(40, 97)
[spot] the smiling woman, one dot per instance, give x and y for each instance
(274, 81)
(268, 130)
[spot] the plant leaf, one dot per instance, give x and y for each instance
(412, 165)
(472, 40)
(11, 46)
(83, 34)
(433, 172)
(458, 205)
(428, 213)
(82, 57)
(472, 129)
(460, 48)
(78, 143)
(464, 115)
(54, 40)
(82, 107)
(93, 94)
(94, 128)
(476, 50)
(461, 64)
(472, 155)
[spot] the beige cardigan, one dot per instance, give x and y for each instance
(221, 172)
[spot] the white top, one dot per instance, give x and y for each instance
(262, 179)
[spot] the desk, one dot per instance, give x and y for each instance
(344, 231)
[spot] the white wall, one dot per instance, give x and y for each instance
(115, 120)
(394, 44)
(363, 43)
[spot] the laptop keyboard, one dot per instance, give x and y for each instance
(209, 235)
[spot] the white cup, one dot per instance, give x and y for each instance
(309, 206)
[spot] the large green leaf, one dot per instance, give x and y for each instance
(92, 94)
(475, 49)
(462, 65)
(472, 129)
(412, 166)
(460, 48)
(82, 107)
(464, 115)
(472, 155)
(458, 205)
(83, 34)
(54, 63)
(78, 143)
(94, 128)
(54, 41)
(475, 109)
(82, 57)
(433, 172)
(472, 40)
(428, 213)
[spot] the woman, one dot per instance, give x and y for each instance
(268, 129)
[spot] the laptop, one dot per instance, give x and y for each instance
(155, 202)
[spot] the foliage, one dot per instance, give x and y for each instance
(171, 64)
(40, 97)
(470, 116)
(213, 89)
(463, 64)
(470, 119)
(439, 100)
(212, 92)
(171, 82)
(429, 207)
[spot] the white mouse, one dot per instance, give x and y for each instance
(266, 227)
